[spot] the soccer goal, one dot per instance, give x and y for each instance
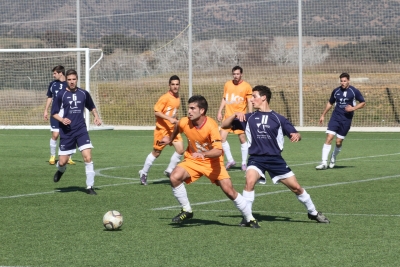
(25, 75)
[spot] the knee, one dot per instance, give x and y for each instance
(87, 159)
(297, 190)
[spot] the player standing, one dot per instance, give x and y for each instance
(265, 130)
(68, 110)
(344, 97)
(165, 111)
(236, 98)
(203, 156)
(55, 86)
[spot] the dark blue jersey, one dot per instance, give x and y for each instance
(343, 97)
(54, 87)
(72, 106)
(265, 132)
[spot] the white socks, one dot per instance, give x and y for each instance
(243, 205)
(336, 151)
(245, 152)
(181, 195)
(227, 151)
(325, 152)
(147, 164)
(61, 169)
(307, 202)
(175, 158)
(53, 146)
(89, 174)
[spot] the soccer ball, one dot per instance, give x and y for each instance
(112, 220)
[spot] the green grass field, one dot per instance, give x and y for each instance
(48, 224)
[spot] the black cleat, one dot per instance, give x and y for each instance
(252, 223)
(182, 216)
(91, 191)
(319, 218)
(57, 176)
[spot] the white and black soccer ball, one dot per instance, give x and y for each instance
(112, 220)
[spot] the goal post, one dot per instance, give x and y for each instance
(24, 78)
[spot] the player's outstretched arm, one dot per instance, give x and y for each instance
(327, 108)
(295, 137)
(167, 140)
(227, 123)
(221, 107)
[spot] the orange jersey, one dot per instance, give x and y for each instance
(167, 104)
(236, 97)
(201, 139)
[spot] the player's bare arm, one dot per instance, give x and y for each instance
(167, 140)
(295, 137)
(249, 105)
(221, 107)
(165, 117)
(350, 108)
(213, 153)
(64, 121)
(327, 108)
(227, 123)
(45, 114)
(97, 119)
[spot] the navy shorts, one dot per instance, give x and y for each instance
(339, 127)
(69, 143)
(275, 165)
(54, 124)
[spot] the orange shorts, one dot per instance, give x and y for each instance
(196, 168)
(237, 131)
(159, 134)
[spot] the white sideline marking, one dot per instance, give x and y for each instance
(286, 190)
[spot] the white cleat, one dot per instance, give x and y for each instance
(332, 163)
(322, 166)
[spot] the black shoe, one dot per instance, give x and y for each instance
(252, 223)
(243, 223)
(91, 191)
(182, 216)
(319, 218)
(57, 176)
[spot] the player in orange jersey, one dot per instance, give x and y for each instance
(236, 98)
(203, 156)
(165, 111)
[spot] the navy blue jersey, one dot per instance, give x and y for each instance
(72, 106)
(343, 97)
(54, 87)
(265, 132)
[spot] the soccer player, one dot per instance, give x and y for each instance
(55, 86)
(344, 97)
(236, 98)
(165, 111)
(68, 109)
(203, 156)
(265, 130)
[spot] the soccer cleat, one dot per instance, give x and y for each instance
(71, 162)
(57, 176)
(182, 216)
(252, 223)
(52, 160)
(143, 177)
(244, 167)
(262, 180)
(91, 191)
(319, 218)
(332, 163)
(230, 164)
(166, 173)
(322, 166)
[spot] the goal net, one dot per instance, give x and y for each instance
(25, 76)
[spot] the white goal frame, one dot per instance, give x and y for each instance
(88, 67)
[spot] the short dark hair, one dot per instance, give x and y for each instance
(173, 78)
(201, 102)
(237, 68)
(59, 69)
(344, 75)
(71, 72)
(263, 90)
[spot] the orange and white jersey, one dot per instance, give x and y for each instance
(167, 104)
(202, 138)
(236, 97)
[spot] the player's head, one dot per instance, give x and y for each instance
(344, 80)
(197, 107)
(260, 94)
(58, 72)
(237, 73)
(174, 83)
(72, 79)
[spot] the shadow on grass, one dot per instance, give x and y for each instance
(198, 222)
(70, 189)
(164, 181)
(270, 218)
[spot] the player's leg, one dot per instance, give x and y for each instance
(53, 140)
(227, 149)
(85, 146)
(302, 195)
(151, 157)
(176, 156)
(66, 148)
(178, 175)
(326, 148)
(244, 149)
(341, 134)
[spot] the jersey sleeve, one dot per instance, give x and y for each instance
(332, 98)
(287, 126)
(89, 104)
(359, 97)
(56, 107)
(161, 103)
(49, 92)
